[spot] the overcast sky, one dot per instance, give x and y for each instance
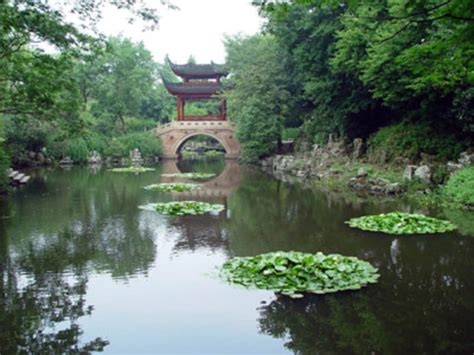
(197, 28)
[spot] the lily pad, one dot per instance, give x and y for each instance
(294, 273)
(176, 187)
(401, 223)
(182, 208)
(192, 176)
(131, 169)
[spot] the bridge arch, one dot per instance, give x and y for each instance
(174, 134)
(183, 140)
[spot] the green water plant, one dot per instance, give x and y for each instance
(192, 176)
(294, 273)
(131, 169)
(172, 186)
(401, 223)
(182, 208)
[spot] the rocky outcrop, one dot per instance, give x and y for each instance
(375, 186)
(95, 158)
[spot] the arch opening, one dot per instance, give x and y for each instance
(201, 145)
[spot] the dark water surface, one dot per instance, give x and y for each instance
(82, 268)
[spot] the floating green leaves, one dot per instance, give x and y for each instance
(401, 223)
(181, 208)
(292, 273)
(176, 187)
(193, 176)
(131, 169)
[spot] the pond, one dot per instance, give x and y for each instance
(83, 268)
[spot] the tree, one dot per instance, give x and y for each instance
(127, 76)
(259, 100)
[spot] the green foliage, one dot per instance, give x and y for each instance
(147, 144)
(401, 223)
(131, 169)
(292, 273)
(78, 150)
(260, 99)
(192, 176)
(4, 165)
(460, 186)
(175, 187)
(411, 139)
(181, 208)
(290, 133)
(214, 153)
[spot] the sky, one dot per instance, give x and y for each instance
(197, 28)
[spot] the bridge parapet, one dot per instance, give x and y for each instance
(174, 134)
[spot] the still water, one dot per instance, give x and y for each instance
(82, 268)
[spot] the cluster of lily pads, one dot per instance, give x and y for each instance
(294, 273)
(401, 223)
(181, 208)
(172, 186)
(192, 176)
(131, 169)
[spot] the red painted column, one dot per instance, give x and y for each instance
(183, 115)
(178, 108)
(223, 113)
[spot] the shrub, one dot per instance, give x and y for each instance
(146, 143)
(77, 149)
(460, 186)
(4, 165)
(411, 139)
(290, 133)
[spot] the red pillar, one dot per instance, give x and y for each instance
(223, 109)
(183, 115)
(178, 108)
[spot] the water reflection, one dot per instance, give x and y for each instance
(77, 256)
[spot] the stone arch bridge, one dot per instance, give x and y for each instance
(173, 135)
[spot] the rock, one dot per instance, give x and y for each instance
(452, 166)
(95, 158)
(136, 156)
(32, 155)
(466, 158)
(393, 188)
(427, 158)
(362, 172)
(409, 172)
(358, 148)
(424, 173)
(40, 158)
(66, 161)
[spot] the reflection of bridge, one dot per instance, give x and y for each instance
(173, 135)
(220, 186)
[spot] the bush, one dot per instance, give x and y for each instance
(140, 125)
(290, 133)
(78, 149)
(411, 139)
(4, 165)
(146, 143)
(460, 187)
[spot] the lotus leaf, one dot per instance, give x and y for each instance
(193, 176)
(401, 223)
(181, 208)
(131, 169)
(293, 273)
(177, 187)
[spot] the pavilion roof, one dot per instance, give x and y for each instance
(198, 71)
(194, 88)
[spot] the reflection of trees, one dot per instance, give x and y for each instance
(30, 314)
(419, 306)
(422, 304)
(50, 245)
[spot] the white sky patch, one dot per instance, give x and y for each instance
(197, 28)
